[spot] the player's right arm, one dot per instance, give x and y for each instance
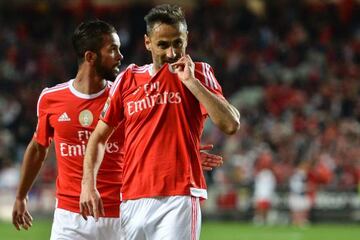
(34, 157)
(90, 200)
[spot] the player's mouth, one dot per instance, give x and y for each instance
(171, 60)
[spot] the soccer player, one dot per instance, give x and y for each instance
(162, 106)
(68, 113)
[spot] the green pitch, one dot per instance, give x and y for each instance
(217, 231)
(39, 231)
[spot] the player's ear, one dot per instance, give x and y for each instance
(147, 42)
(90, 56)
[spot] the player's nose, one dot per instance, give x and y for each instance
(170, 53)
(118, 56)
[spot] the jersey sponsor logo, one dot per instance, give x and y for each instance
(153, 97)
(64, 118)
(74, 150)
(86, 118)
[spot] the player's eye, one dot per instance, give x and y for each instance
(163, 45)
(178, 44)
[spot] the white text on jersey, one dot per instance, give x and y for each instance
(73, 150)
(157, 98)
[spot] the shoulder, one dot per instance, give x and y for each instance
(141, 69)
(128, 73)
(204, 69)
(205, 73)
(51, 91)
(202, 66)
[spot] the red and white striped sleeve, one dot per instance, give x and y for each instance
(44, 132)
(205, 74)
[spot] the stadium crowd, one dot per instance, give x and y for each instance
(290, 67)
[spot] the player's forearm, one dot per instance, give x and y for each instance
(93, 157)
(94, 154)
(34, 157)
(222, 113)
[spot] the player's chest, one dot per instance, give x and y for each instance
(143, 95)
(67, 118)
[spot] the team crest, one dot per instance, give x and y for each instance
(86, 118)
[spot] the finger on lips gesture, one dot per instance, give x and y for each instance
(184, 67)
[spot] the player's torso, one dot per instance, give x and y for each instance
(163, 123)
(72, 117)
(162, 98)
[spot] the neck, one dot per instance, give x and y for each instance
(154, 69)
(88, 82)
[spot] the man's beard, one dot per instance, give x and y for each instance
(105, 72)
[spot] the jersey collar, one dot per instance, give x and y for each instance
(82, 95)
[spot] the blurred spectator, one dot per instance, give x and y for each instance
(264, 188)
(299, 199)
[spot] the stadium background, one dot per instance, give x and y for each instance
(290, 67)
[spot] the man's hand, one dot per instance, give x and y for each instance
(91, 203)
(185, 69)
(208, 160)
(20, 215)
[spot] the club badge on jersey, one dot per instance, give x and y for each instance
(86, 118)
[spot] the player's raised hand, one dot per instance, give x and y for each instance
(184, 68)
(208, 160)
(91, 203)
(20, 215)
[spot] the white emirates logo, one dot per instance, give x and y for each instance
(64, 118)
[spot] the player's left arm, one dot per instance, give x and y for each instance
(222, 113)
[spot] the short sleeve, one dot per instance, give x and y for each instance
(205, 74)
(44, 132)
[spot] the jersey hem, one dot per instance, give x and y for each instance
(195, 192)
(111, 210)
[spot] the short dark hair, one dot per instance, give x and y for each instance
(88, 36)
(165, 13)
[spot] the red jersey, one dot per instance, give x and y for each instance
(68, 117)
(163, 122)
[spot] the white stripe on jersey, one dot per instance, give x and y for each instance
(119, 78)
(212, 77)
(209, 76)
(204, 73)
(116, 83)
(141, 69)
(50, 90)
